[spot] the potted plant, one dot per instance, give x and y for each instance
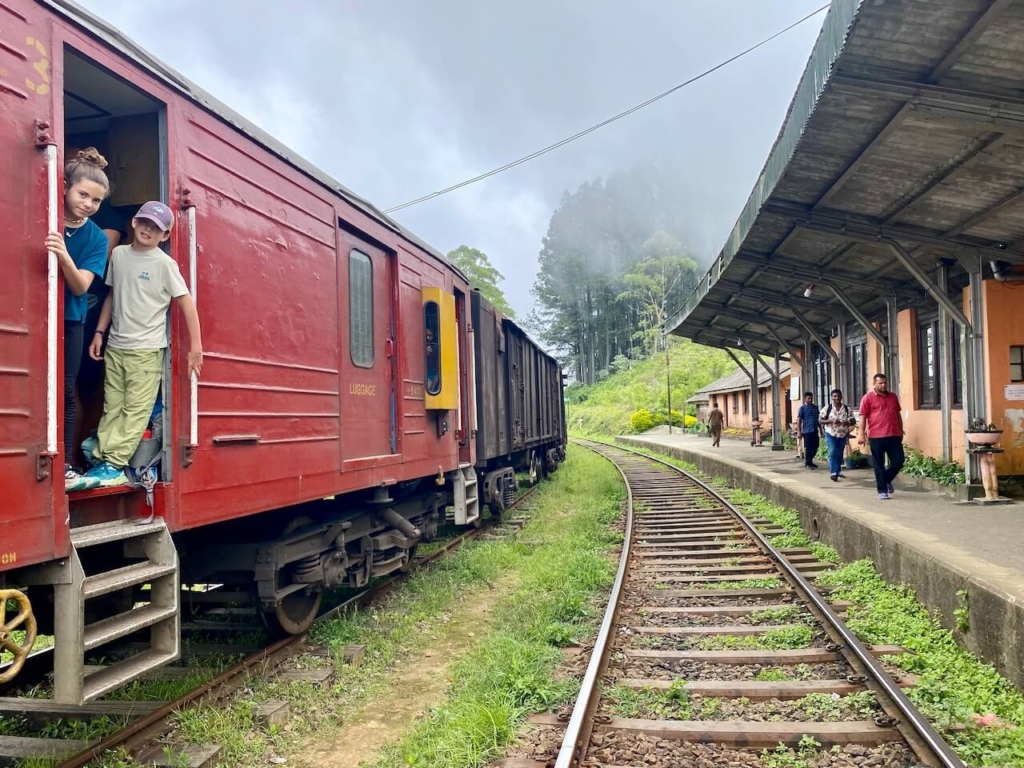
(981, 433)
(854, 460)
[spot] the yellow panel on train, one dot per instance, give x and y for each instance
(441, 373)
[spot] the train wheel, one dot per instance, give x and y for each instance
(25, 620)
(535, 470)
(297, 611)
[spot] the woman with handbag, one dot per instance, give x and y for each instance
(837, 419)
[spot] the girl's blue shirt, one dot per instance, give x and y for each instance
(87, 247)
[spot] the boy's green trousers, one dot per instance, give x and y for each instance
(130, 387)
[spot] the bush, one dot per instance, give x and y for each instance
(661, 417)
(641, 421)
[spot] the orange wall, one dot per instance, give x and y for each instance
(741, 420)
(1004, 327)
(923, 426)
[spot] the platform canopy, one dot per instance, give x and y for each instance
(906, 133)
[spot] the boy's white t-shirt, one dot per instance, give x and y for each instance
(142, 285)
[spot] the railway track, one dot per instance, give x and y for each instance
(714, 643)
(144, 736)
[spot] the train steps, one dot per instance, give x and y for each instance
(148, 556)
(467, 495)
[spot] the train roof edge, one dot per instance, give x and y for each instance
(113, 37)
(479, 297)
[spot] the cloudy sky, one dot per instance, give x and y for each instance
(397, 99)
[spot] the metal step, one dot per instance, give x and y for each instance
(103, 632)
(103, 533)
(116, 675)
(129, 576)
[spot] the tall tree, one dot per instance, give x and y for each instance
(658, 283)
(475, 265)
(599, 234)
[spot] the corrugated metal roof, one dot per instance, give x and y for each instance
(738, 380)
(908, 124)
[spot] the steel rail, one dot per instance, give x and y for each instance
(137, 728)
(570, 751)
(922, 728)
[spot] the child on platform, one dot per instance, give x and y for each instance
(143, 281)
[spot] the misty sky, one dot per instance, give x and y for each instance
(398, 99)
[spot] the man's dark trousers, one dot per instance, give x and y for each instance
(811, 442)
(882, 447)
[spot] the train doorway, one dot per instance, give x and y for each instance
(128, 127)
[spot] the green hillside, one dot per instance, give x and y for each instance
(604, 408)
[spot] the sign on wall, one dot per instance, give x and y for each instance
(1014, 392)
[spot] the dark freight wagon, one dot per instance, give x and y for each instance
(520, 405)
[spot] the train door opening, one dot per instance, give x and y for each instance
(128, 128)
(368, 404)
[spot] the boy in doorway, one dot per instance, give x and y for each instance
(143, 281)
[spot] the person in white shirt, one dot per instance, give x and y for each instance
(837, 418)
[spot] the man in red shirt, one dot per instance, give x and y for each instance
(880, 413)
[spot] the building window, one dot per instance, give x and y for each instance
(1017, 363)
(928, 365)
(857, 365)
(928, 369)
(746, 397)
(822, 376)
(360, 309)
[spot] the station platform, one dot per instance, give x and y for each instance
(921, 538)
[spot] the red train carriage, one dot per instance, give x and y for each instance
(334, 421)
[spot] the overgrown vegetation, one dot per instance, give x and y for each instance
(979, 712)
(919, 465)
(509, 674)
(786, 638)
(606, 407)
(547, 600)
(956, 688)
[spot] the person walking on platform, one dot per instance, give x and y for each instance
(809, 418)
(715, 421)
(880, 412)
(837, 420)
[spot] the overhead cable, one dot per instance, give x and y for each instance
(603, 123)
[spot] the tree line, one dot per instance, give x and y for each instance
(611, 269)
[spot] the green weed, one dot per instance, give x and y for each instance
(955, 687)
(510, 673)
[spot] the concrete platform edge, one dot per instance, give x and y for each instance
(936, 571)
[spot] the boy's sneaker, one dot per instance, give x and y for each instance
(108, 475)
(73, 481)
(89, 448)
(883, 497)
(889, 489)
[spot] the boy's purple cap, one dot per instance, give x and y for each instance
(156, 212)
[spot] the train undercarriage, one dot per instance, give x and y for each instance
(125, 578)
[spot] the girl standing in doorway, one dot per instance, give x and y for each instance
(81, 250)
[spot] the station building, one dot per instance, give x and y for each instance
(886, 230)
(732, 393)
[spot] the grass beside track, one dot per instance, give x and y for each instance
(511, 673)
(552, 571)
(978, 711)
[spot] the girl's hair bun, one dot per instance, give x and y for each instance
(92, 156)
